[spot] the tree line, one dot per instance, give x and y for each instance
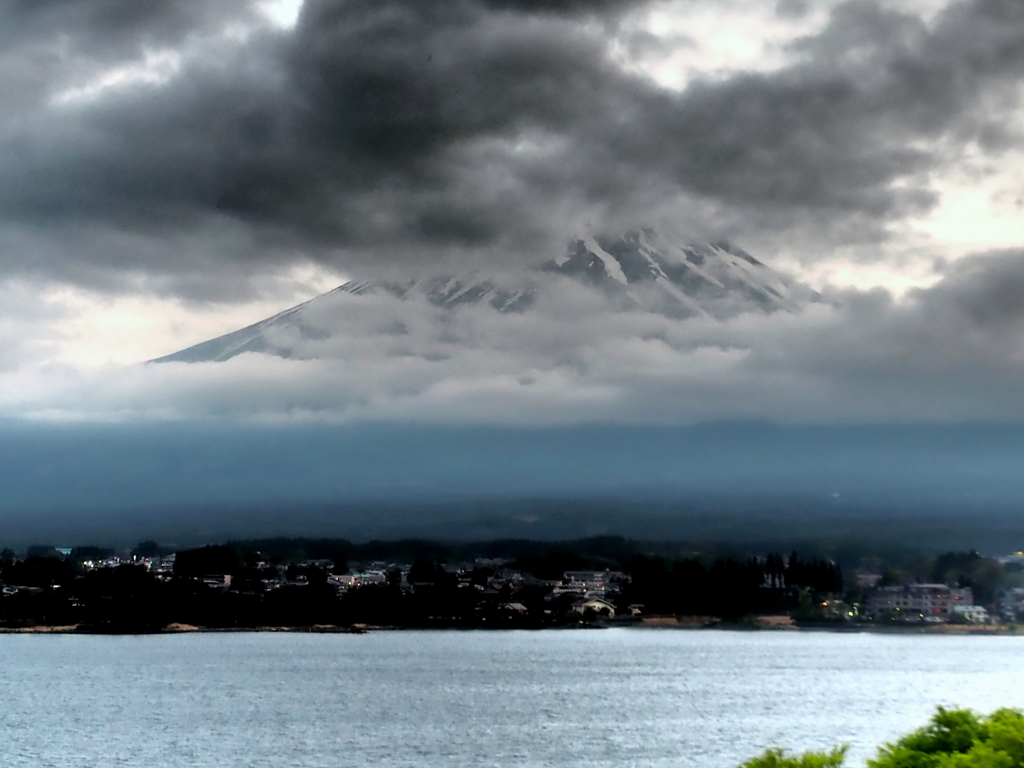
(62, 592)
(730, 587)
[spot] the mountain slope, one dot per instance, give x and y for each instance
(638, 270)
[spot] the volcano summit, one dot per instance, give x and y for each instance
(638, 271)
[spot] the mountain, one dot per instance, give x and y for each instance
(638, 270)
(680, 280)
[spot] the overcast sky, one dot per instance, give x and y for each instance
(175, 169)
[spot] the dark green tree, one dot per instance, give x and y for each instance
(150, 549)
(42, 550)
(208, 561)
(79, 554)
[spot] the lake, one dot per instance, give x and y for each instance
(617, 697)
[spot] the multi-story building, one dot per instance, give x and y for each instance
(1011, 604)
(972, 614)
(917, 602)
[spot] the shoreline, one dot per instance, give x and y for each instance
(659, 623)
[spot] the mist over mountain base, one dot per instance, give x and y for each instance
(952, 486)
(763, 524)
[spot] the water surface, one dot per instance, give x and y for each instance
(619, 697)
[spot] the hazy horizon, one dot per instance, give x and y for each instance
(178, 479)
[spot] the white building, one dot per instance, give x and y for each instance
(1011, 604)
(973, 614)
(595, 604)
(917, 602)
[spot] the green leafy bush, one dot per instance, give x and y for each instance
(958, 738)
(776, 758)
(954, 738)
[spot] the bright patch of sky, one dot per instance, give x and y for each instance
(972, 216)
(902, 273)
(159, 67)
(981, 204)
(283, 13)
(984, 216)
(155, 69)
(682, 41)
(101, 330)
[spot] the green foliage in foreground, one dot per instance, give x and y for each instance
(958, 738)
(776, 758)
(955, 738)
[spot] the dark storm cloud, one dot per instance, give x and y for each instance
(109, 27)
(792, 9)
(565, 7)
(393, 131)
(986, 290)
(52, 44)
(828, 136)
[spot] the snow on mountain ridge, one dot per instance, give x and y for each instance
(638, 270)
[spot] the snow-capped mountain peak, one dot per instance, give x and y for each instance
(637, 270)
